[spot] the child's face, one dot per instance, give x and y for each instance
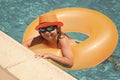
(48, 33)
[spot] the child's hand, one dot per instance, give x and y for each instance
(37, 56)
(45, 56)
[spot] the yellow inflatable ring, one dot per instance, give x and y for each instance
(102, 32)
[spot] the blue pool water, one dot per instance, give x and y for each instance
(16, 15)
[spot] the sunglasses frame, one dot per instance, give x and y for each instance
(46, 29)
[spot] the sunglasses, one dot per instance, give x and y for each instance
(49, 29)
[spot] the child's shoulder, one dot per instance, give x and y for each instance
(66, 39)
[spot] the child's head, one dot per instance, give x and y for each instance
(49, 27)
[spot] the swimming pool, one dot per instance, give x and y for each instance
(15, 16)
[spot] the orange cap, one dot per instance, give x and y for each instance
(48, 20)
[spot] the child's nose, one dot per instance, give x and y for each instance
(46, 32)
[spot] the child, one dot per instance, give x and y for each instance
(51, 35)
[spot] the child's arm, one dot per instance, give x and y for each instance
(67, 58)
(27, 43)
(32, 41)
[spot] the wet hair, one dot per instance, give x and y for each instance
(61, 34)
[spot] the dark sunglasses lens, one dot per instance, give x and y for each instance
(51, 28)
(42, 30)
